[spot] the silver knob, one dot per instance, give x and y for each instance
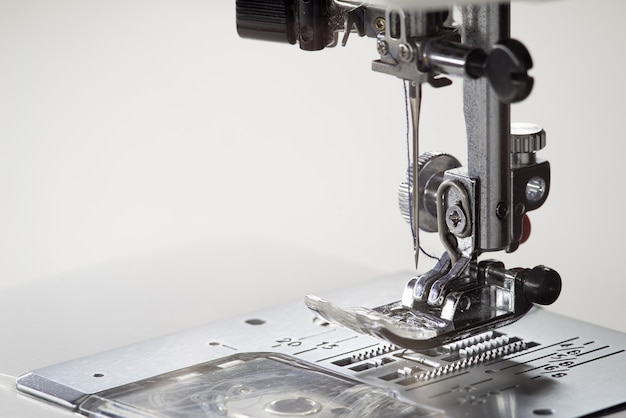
(526, 139)
(431, 169)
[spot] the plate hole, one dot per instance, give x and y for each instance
(544, 411)
(98, 375)
(255, 321)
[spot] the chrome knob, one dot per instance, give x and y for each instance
(431, 169)
(526, 140)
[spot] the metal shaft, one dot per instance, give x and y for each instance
(488, 124)
(415, 102)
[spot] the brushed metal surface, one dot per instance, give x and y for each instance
(555, 366)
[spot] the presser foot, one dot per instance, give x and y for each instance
(475, 298)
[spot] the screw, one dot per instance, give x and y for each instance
(383, 48)
(535, 189)
(405, 52)
(379, 24)
(456, 220)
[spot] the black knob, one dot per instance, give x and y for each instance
(507, 68)
(541, 285)
(268, 20)
(307, 22)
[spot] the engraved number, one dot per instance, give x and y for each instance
(289, 341)
(327, 346)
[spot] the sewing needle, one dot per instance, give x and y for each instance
(415, 100)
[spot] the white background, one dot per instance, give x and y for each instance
(134, 129)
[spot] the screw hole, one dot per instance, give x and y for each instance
(465, 303)
(490, 371)
(255, 321)
(214, 343)
(543, 411)
(98, 375)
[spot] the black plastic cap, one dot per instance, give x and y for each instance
(268, 20)
(542, 285)
(507, 70)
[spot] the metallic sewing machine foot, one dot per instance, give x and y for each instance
(475, 209)
(449, 303)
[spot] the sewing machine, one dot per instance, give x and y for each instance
(478, 209)
(462, 338)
